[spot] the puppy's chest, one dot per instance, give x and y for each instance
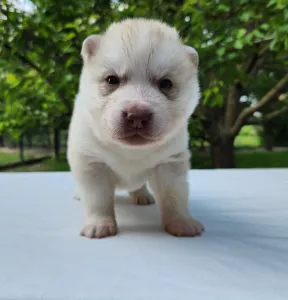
(132, 181)
(131, 175)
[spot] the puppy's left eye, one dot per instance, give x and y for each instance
(165, 84)
(112, 80)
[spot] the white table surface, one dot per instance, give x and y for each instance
(242, 255)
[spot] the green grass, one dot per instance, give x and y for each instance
(248, 137)
(7, 158)
(262, 159)
(248, 141)
(50, 165)
(251, 159)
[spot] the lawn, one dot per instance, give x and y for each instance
(248, 137)
(255, 159)
(249, 159)
(11, 157)
(50, 165)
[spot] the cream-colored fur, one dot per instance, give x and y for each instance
(140, 52)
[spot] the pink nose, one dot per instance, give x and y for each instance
(137, 117)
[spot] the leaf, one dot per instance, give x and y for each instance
(249, 38)
(264, 26)
(221, 51)
(258, 34)
(238, 44)
(271, 2)
(218, 100)
(286, 44)
(70, 25)
(223, 7)
(69, 36)
(272, 44)
(10, 78)
(245, 16)
(215, 89)
(241, 32)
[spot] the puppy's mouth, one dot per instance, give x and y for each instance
(137, 138)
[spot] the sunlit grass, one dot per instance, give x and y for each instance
(7, 158)
(250, 159)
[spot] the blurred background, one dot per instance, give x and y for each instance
(242, 120)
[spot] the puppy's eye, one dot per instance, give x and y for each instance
(165, 84)
(112, 80)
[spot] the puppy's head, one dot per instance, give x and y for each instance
(139, 81)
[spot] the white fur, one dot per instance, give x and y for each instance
(99, 160)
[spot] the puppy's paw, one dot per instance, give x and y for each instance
(184, 227)
(141, 198)
(99, 229)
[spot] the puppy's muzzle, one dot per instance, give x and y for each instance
(137, 118)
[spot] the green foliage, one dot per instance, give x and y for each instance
(40, 58)
(275, 131)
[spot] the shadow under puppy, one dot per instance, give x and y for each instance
(138, 88)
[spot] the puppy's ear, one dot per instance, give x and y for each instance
(193, 55)
(90, 46)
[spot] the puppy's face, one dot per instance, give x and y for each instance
(139, 81)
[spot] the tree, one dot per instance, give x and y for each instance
(241, 45)
(250, 45)
(40, 62)
(274, 115)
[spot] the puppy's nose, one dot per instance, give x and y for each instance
(137, 118)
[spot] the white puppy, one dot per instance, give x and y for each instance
(137, 89)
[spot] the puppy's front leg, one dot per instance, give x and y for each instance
(170, 188)
(96, 188)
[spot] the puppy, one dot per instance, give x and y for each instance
(137, 89)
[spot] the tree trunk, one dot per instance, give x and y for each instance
(2, 144)
(49, 143)
(56, 143)
(223, 154)
(21, 148)
(29, 141)
(268, 142)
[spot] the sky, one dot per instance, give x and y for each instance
(24, 5)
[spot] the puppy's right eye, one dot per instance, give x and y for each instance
(165, 84)
(112, 80)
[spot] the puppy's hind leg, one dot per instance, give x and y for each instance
(141, 196)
